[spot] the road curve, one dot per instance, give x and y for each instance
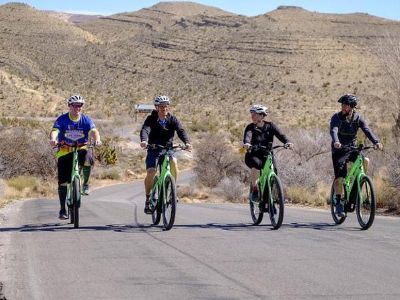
(212, 252)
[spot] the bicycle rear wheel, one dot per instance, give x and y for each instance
(276, 206)
(338, 220)
(169, 203)
(76, 198)
(255, 211)
(156, 215)
(366, 203)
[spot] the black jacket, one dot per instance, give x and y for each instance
(154, 133)
(263, 136)
(345, 131)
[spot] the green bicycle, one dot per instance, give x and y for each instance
(74, 192)
(359, 193)
(163, 193)
(270, 197)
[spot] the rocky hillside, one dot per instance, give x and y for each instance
(211, 62)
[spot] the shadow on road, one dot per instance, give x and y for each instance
(321, 226)
(58, 227)
(130, 228)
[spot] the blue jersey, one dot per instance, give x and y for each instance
(70, 130)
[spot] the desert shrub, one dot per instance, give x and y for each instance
(233, 189)
(215, 159)
(108, 173)
(309, 162)
(106, 154)
(26, 152)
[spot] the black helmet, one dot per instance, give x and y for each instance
(348, 99)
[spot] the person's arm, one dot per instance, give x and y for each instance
(95, 136)
(182, 134)
(144, 132)
(248, 134)
(53, 137)
(334, 129)
(279, 134)
(367, 131)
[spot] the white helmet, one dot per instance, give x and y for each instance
(259, 109)
(76, 99)
(161, 100)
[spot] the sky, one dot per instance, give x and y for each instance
(389, 9)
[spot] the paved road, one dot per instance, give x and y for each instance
(212, 252)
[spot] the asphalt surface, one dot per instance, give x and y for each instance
(212, 252)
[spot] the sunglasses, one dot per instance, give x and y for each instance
(76, 105)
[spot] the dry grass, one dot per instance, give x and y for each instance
(303, 196)
(23, 187)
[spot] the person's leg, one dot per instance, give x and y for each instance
(173, 163)
(365, 164)
(340, 168)
(149, 180)
(64, 168)
(85, 163)
(254, 163)
(151, 165)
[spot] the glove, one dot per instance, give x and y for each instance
(289, 146)
(97, 143)
(246, 146)
(143, 144)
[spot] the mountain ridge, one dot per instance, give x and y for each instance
(287, 58)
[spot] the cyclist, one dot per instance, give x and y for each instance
(74, 125)
(159, 128)
(260, 133)
(343, 129)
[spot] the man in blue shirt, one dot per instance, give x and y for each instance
(343, 129)
(68, 128)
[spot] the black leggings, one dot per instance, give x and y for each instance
(64, 165)
(257, 160)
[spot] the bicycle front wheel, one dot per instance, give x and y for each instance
(76, 198)
(276, 204)
(366, 203)
(156, 215)
(169, 202)
(256, 211)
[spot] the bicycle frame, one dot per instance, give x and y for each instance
(265, 177)
(164, 171)
(354, 176)
(266, 173)
(74, 174)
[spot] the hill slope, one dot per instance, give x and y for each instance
(295, 61)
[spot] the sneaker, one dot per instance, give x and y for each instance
(147, 209)
(62, 215)
(339, 210)
(85, 190)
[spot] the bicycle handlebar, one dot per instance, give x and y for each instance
(89, 145)
(161, 147)
(360, 147)
(269, 148)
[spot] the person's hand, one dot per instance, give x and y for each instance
(247, 146)
(189, 147)
(378, 146)
(143, 144)
(337, 145)
(97, 143)
(53, 143)
(289, 146)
